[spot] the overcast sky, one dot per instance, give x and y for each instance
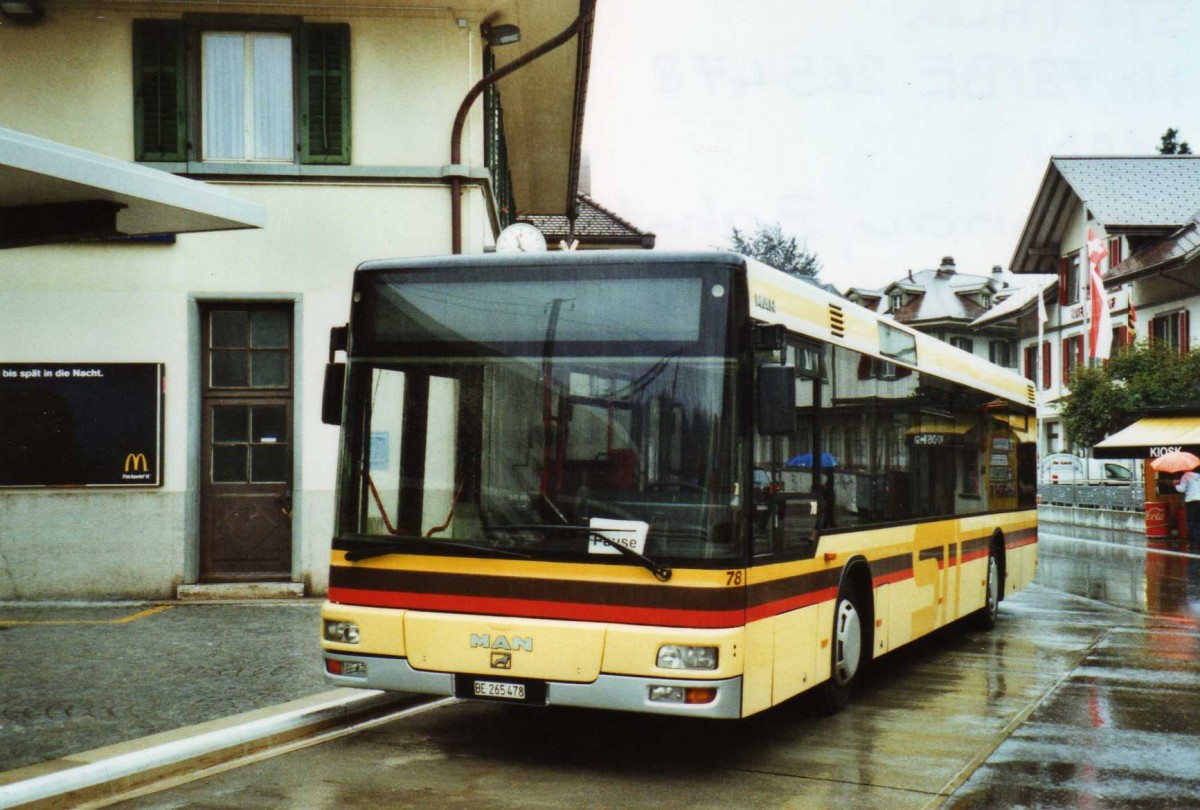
(884, 134)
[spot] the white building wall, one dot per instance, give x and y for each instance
(68, 79)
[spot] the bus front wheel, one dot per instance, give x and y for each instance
(847, 650)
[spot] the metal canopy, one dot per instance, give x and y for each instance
(52, 193)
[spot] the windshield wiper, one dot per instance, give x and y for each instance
(366, 549)
(662, 572)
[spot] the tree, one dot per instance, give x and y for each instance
(1170, 147)
(1104, 399)
(770, 245)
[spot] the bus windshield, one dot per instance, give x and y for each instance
(573, 413)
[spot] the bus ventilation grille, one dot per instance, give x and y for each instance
(837, 321)
(1030, 394)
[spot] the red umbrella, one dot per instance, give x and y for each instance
(1179, 461)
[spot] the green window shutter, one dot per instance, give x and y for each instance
(325, 94)
(159, 100)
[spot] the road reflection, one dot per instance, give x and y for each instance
(1159, 578)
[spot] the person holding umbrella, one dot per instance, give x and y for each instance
(1189, 484)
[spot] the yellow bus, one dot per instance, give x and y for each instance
(685, 484)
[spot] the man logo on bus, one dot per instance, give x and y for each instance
(502, 642)
(501, 660)
(136, 462)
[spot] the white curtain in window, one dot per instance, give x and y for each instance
(273, 121)
(224, 96)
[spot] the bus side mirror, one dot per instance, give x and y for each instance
(331, 395)
(776, 400)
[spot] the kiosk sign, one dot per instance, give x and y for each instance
(81, 424)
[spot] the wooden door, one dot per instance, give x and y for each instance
(246, 443)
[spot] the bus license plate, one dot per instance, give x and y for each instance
(495, 689)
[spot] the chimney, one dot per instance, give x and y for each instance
(947, 266)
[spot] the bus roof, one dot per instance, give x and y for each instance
(775, 297)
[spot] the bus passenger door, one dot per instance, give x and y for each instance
(790, 499)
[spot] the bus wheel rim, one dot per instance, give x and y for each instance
(993, 585)
(847, 643)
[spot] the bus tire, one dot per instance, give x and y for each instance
(847, 650)
(985, 618)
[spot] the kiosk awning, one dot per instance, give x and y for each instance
(1151, 437)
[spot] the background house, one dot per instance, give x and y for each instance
(1142, 208)
(338, 122)
(946, 304)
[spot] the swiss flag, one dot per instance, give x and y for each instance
(1101, 329)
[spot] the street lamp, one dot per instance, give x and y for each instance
(503, 34)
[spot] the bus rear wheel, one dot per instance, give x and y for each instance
(985, 618)
(846, 654)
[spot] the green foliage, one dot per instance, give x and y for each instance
(1169, 146)
(771, 246)
(1104, 399)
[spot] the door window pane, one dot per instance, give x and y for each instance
(270, 425)
(229, 370)
(269, 464)
(269, 329)
(229, 464)
(269, 370)
(228, 329)
(230, 424)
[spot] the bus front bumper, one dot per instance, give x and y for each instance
(617, 692)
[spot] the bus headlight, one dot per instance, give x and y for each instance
(676, 656)
(342, 632)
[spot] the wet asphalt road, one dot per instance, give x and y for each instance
(1070, 702)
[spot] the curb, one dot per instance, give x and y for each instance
(111, 773)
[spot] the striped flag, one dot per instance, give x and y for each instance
(1101, 328)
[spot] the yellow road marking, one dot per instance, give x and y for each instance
(133, 617)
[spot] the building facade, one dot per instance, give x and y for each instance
(364, 131)
(947, 304)
(1140, 211)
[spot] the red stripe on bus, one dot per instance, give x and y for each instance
(793, 603)
(535, 609)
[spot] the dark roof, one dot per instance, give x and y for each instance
(1177, 249)
(1137, 194)
(595, 227)
(940, 296)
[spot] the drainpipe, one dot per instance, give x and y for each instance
(460, 119)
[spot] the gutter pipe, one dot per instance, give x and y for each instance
(460, 119)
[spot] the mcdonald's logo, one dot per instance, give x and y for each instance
(135, 462)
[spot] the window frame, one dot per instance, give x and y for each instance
(189, 30)
(1072, 356)
(1069, 280)
(1031, 362)
(1176, 334)
(966, 344)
